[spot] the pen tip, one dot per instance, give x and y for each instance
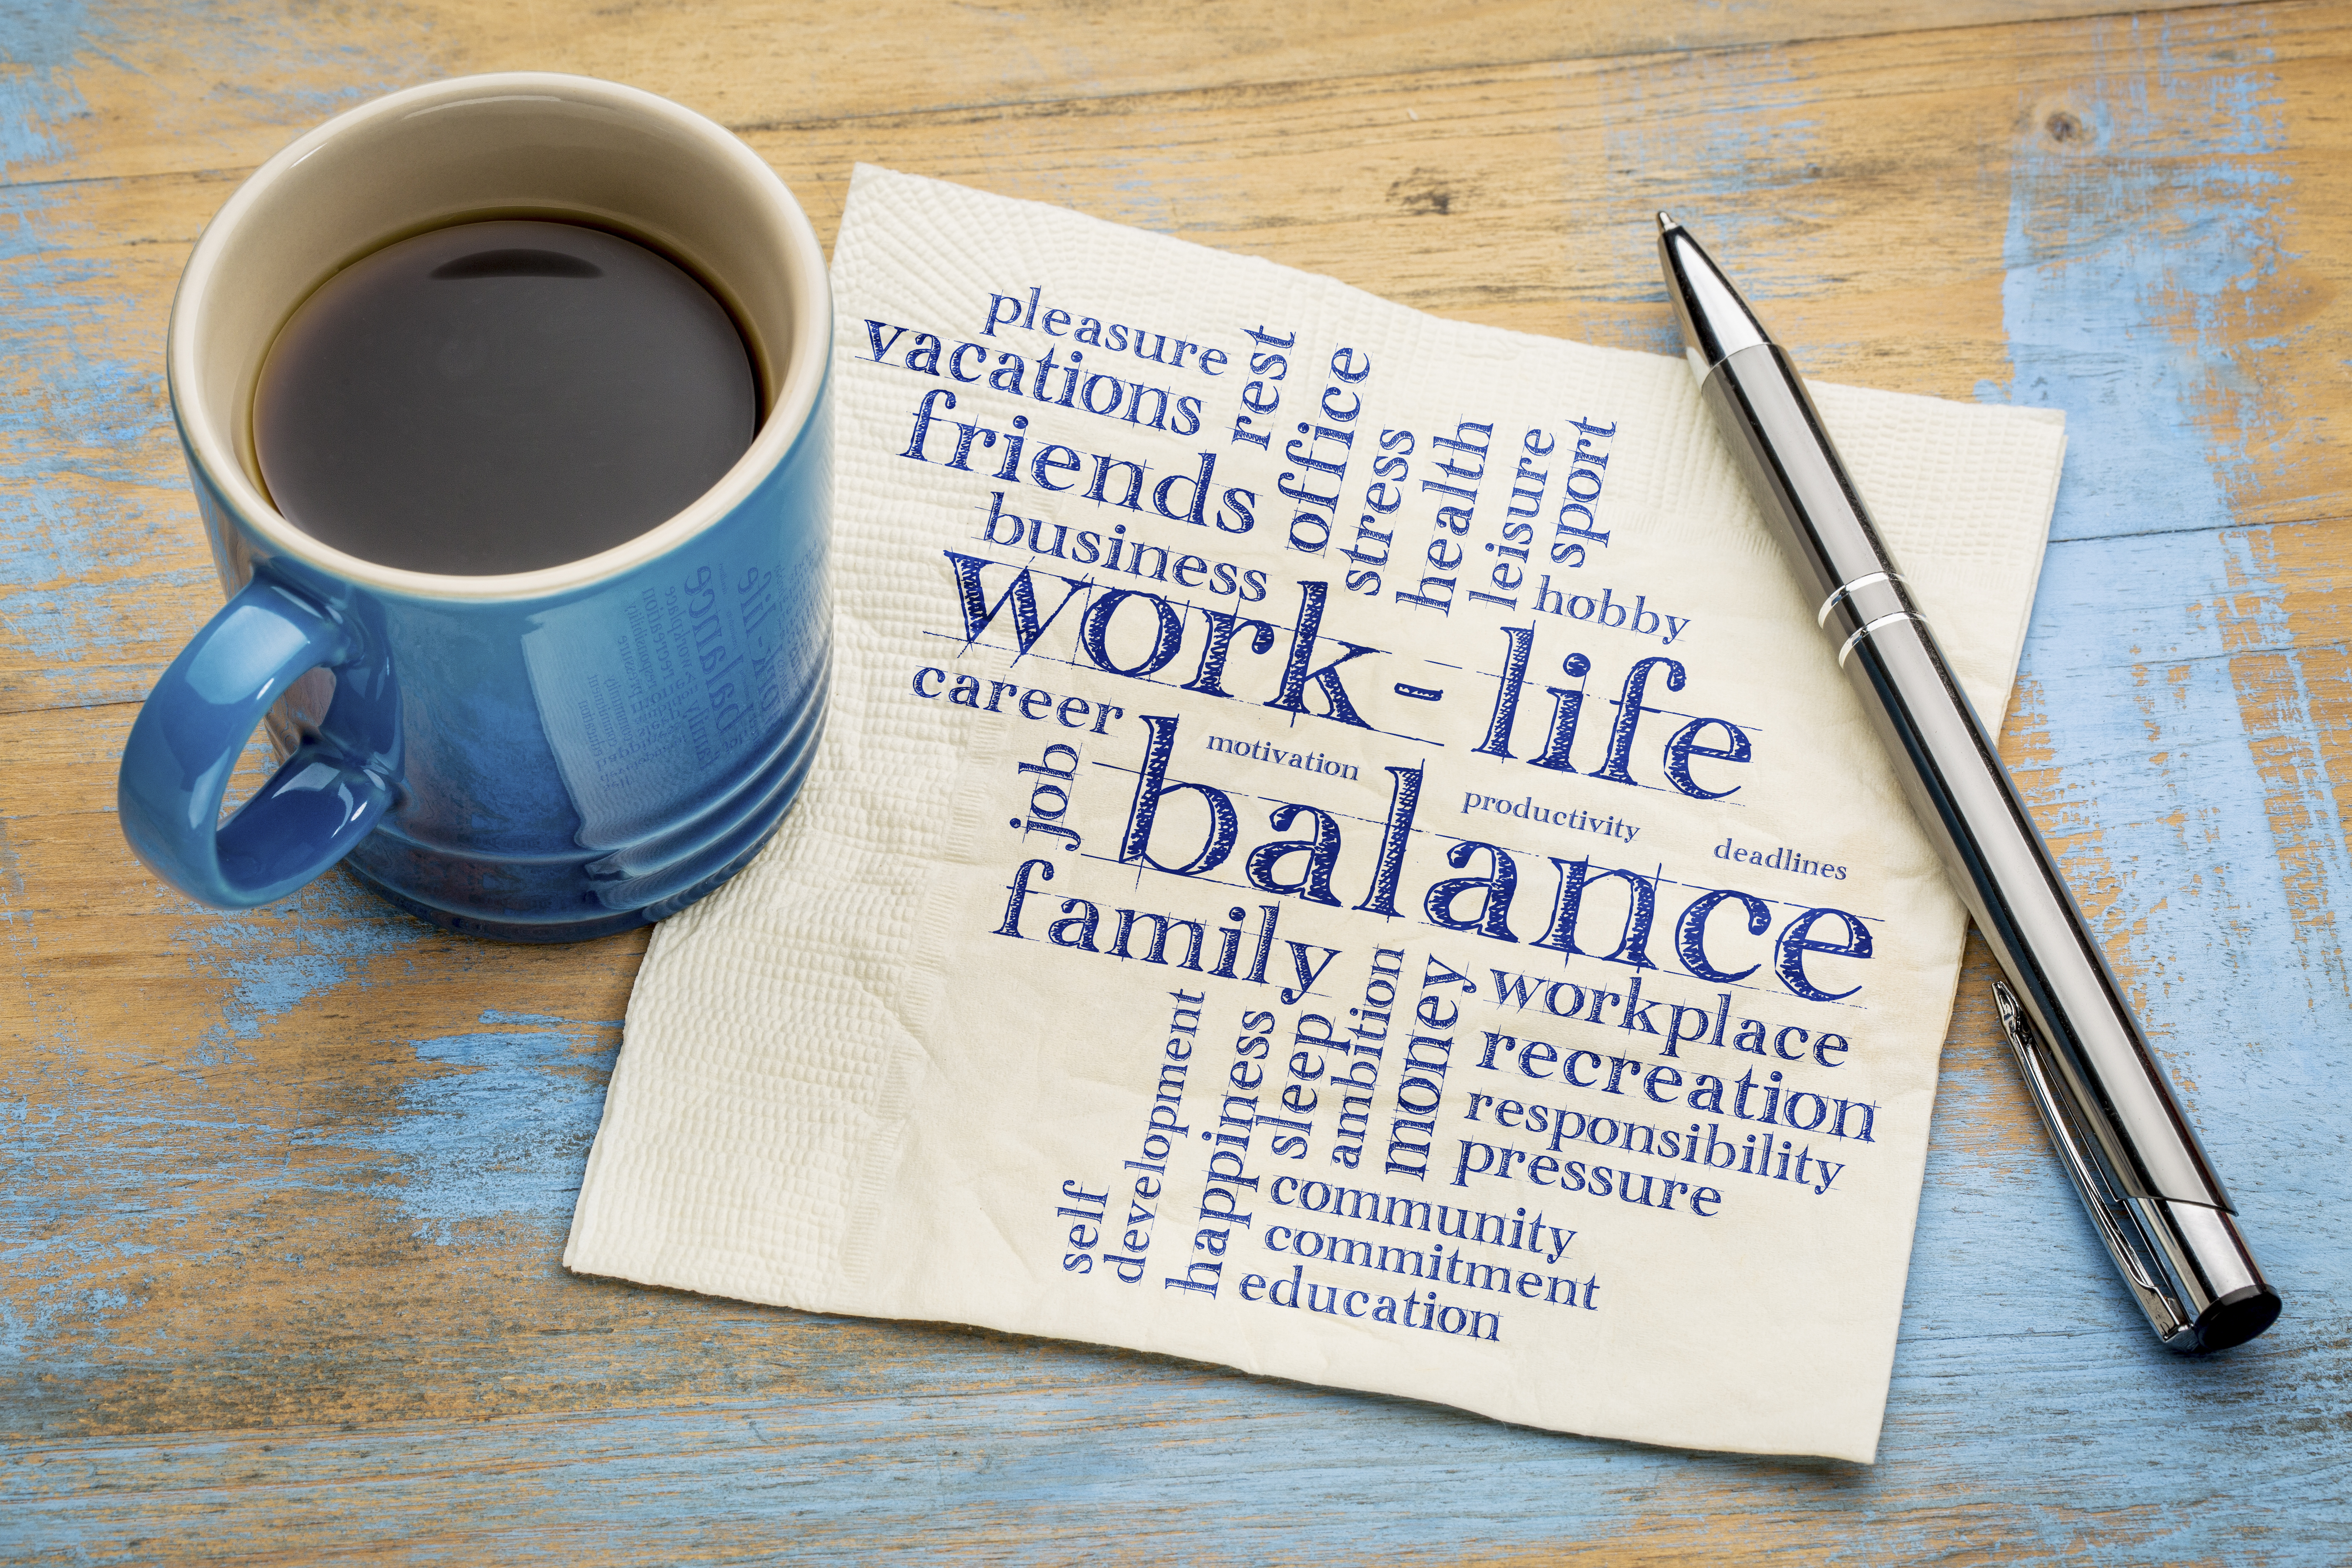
(1666, 221)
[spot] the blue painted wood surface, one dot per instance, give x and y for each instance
(281, 1193)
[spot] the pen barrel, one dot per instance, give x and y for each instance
(2152, 1194)
(1946, 763)
(2000, 866)
(2111, 1112)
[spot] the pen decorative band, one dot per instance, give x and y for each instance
(2152, 1196)
(1878, 624)
(1821, 615)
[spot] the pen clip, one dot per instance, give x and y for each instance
(2164, 1309)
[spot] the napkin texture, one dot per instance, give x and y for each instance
(920, 1059)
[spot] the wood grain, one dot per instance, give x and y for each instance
(281, 1193)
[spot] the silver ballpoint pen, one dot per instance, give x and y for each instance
(2152, 1196)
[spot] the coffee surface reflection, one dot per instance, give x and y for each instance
(499, 397)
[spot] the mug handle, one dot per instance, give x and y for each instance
(186, 743)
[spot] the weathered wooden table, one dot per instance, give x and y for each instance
(283, 1192)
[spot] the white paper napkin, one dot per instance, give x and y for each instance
(923, 1059)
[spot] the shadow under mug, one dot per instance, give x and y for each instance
(542, 756)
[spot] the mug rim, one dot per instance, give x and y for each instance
(802, 368)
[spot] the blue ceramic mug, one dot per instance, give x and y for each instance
(541, 756)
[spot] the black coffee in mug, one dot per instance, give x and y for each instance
(499, 397)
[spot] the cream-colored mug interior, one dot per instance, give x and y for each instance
(516, 146)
